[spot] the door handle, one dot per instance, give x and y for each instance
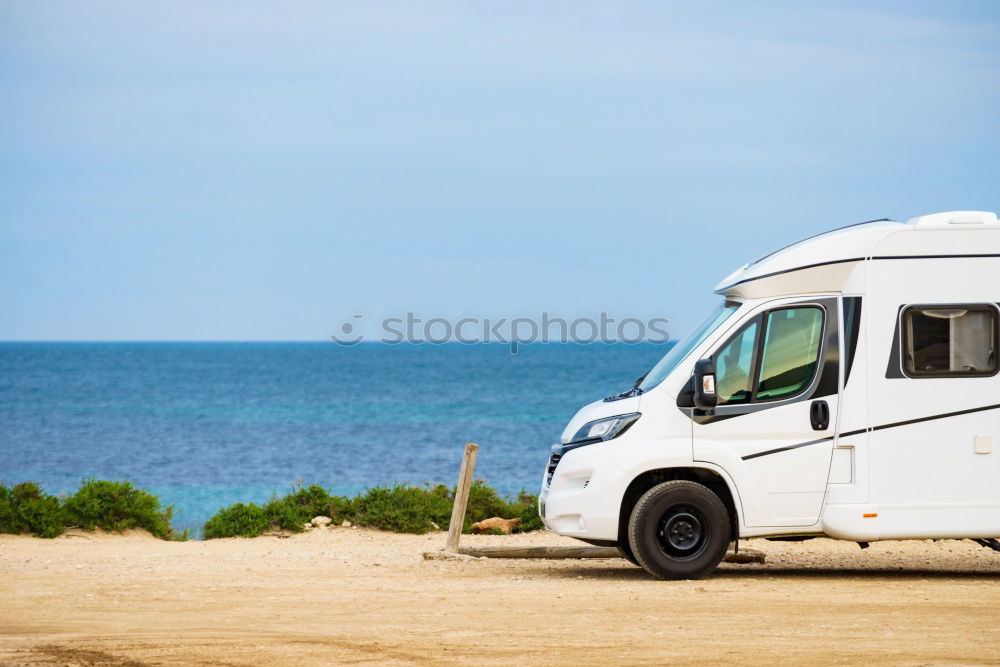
(819, 415)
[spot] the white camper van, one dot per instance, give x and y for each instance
(844, 386)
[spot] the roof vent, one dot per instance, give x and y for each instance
(956, 218)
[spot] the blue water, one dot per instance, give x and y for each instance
(204, 425)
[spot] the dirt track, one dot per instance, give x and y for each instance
(365, 597)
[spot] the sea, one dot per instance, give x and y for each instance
(204, 425)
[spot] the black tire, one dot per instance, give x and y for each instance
(626, 551)
(679, 530)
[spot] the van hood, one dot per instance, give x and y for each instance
(599, 410)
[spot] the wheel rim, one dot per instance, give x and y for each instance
(682, 532)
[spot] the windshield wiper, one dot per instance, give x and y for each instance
(633, 391)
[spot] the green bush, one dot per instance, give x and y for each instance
(6, 511)
(117, 506)
(300, 506)
(248, 520)
(25, 508)
(402, 508)
(525, 507)
(485, 502)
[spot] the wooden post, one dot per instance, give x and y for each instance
(461, 497)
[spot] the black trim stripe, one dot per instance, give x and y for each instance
(816, 236)
(927, 419)
(797, 268)
(852, 259)
(935, 256)
(872, 428)
(785, 449)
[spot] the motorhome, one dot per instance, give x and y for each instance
(844, 386)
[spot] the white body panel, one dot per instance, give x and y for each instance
(925, 479)
(903, 457)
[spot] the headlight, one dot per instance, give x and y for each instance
(604, 429)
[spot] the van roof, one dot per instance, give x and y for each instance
(845, 245)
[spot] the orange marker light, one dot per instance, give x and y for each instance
(870, 515)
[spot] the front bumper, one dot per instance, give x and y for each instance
(581, 493)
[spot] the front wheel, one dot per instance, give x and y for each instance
(679, 530)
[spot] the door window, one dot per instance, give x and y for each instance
(734, 366)
(950, 340)
(783, 364)
(791, 352)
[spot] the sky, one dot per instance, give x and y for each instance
(266, 171)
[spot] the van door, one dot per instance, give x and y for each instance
(773, 431)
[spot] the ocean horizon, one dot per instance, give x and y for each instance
(206, 424)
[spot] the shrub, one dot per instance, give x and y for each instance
(180, 536)
(403, 508)
(6, 512)
(303, 504)
(25, 508)
(485, 502)
(117, 506)
(248, 520)
(525, 507)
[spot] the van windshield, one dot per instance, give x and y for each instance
(683, 347)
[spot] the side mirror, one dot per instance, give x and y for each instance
(705, 397)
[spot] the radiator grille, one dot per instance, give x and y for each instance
(553, 462)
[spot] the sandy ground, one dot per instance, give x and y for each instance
(351, 596)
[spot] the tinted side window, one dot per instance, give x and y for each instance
(852, 327)
(949, 340)
(734, 366)
(791, 352)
